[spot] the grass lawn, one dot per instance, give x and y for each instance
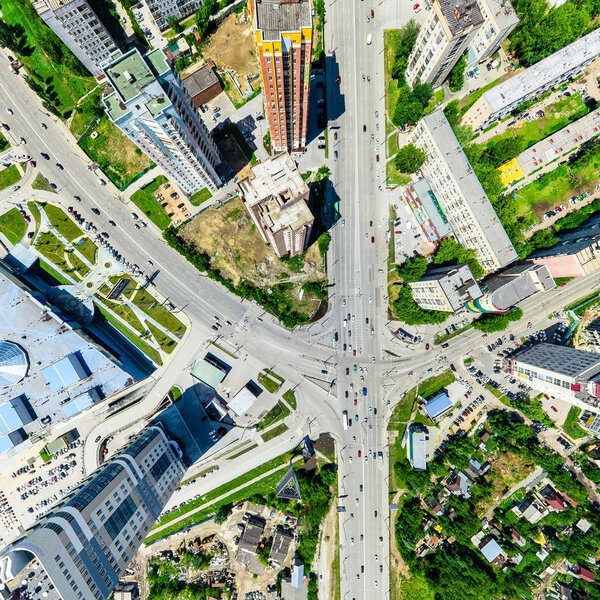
(78, 264)
(52, 248)
(35, 211)
(437, 98)
(557, 116)
(41, 183)
(264, 486)
(166, 343)
(558, 185)
(4, 143)
(116, 154)
(68, 85)
(223, 489)
(199, 197)
(62, 222)
(269, 384)
(278, 412)
(85, 113)
(126, 314)
(392, 146)
(132, 337)
(469, 100)
(128, 293)
(238, 454)
(88, 249)
(273, 433)
(391, 41)
(393, 175)
(146, 201)
(13, 225)
(53, 272)
(144, 300)
(435, 383)
(176, 393)
(9, 176)
(290, 398)
(571, 426)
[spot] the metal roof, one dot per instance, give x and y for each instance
(65, 372)
(208, 374)
(439, 404)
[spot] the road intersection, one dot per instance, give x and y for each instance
(357, 310)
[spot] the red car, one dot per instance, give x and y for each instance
(339, 79)
(426, 346)
(370, 223)
(353, 352)
(355, 402)
(416, 6)
(359, 454)
(375, 513)
(554, 408)
(32, 163)
(372, 14)
(372, 240)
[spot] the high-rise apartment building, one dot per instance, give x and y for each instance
(283, 42)
(151, 107)
(276, 197)
(77, 25)
(459, 193)
(86, 541)
(442, 40)
(500, 19)
(447, 288)
(161, 10)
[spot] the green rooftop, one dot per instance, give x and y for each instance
(116, 108)
(158, 104)
(130, 74)
(158, 61)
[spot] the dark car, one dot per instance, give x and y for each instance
(45, 156)
(60, 166)
(444, 345)
(372, 240)
(95, 211)
(113, 223)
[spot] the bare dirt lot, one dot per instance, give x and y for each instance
(229, 236)
(232, 47)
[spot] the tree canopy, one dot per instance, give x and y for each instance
(410, 158)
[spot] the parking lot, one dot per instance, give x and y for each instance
(30, 490)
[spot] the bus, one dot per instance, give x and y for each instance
(345, 416)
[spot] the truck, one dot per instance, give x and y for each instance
(345, 419)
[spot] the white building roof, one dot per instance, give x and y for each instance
(492, 550)
(242, 401)
(545, 71)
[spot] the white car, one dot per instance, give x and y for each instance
(369, 39)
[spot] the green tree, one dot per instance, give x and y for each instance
(456, 79)
(412, 269)
(407, 110)
(323, 242)
(410, 158)
(223, 513)
(452, 252)
(174, 24)
(422, 93)
(407, 310)
(491, 323)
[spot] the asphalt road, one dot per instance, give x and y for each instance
(358, 294)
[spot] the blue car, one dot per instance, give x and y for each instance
(364, 391)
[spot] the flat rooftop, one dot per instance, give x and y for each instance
(272, 177)
(274, 18)
(461, 15)
(474, 195)
(543, 72)
(129, 74)
(47, 339)
(561, 359)
(560, 143)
